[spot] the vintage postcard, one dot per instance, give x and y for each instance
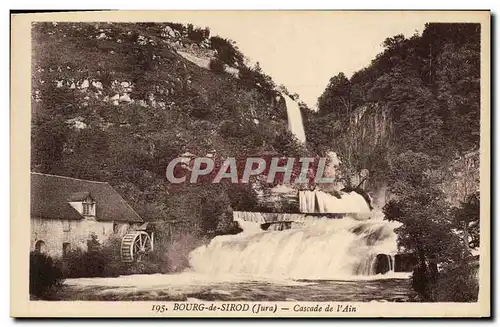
(250, 164)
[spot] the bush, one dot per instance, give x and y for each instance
(227, 51)
(79, 263)
(170, 254)
(102, 260)
(230, 128)
(216, 65)
(45, 274)
(456, 282)
(423, 283)
(199, 111)
(459, 284)
(197, 34)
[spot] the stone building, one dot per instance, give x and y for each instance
(66, 213)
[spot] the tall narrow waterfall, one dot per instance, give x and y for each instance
(295, 119)
(317, 248)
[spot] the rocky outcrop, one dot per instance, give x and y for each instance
(371, 129)
(371, 125)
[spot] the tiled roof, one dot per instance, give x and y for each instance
(50, 195)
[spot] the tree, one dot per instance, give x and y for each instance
(216, 65)
(198, 34)
(466, 219)
(45, 274)
(417, 125)
(427, 222)
(336, 98)
(227, 51)
(406, 117)
(324, 133)
(458, 85)
(49, 133)
(214, 210)
(124, 115)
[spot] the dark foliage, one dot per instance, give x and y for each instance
(45, 274)
(466, 217)
(198, 34)
(427, 230)
(227, 51)
(217, 66)
(121, 116)
(421, 94)
(405, 118)
(170, 255)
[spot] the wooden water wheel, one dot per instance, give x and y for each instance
(135, 246)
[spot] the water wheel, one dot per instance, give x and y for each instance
(135, 246)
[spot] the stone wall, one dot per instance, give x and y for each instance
(55, 232)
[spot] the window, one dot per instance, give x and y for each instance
(66, 249)
(116, 228)
(66, 226)
(88, 207)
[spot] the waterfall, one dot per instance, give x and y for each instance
(322, 202)
(295, 119)
(318, 248)
(266, 217)
(255, 217)
(307, 201)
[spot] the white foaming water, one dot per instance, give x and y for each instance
(295, 119)
(317, 248)
(321, 202)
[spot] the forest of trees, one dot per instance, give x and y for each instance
(428, 83)
(428, 88)
(115, 103)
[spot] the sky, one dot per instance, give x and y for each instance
(303, 50)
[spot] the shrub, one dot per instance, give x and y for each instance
(197, 106)
(79, 263)
(423, 283)
(197, 34)
(176, 26)
(242, 197)
(101, 260)
(216, 65)
(171, 254)
(458, 284)
(199, 110)
(106, 260)
(227, 51)
(254, 77)
(45, 274)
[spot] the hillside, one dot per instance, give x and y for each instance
(421, 94)
(411, 119)
(116, 102)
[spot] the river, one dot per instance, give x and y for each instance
(193, 286)
(318, 259)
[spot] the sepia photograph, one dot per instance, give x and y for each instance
(251, 163)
